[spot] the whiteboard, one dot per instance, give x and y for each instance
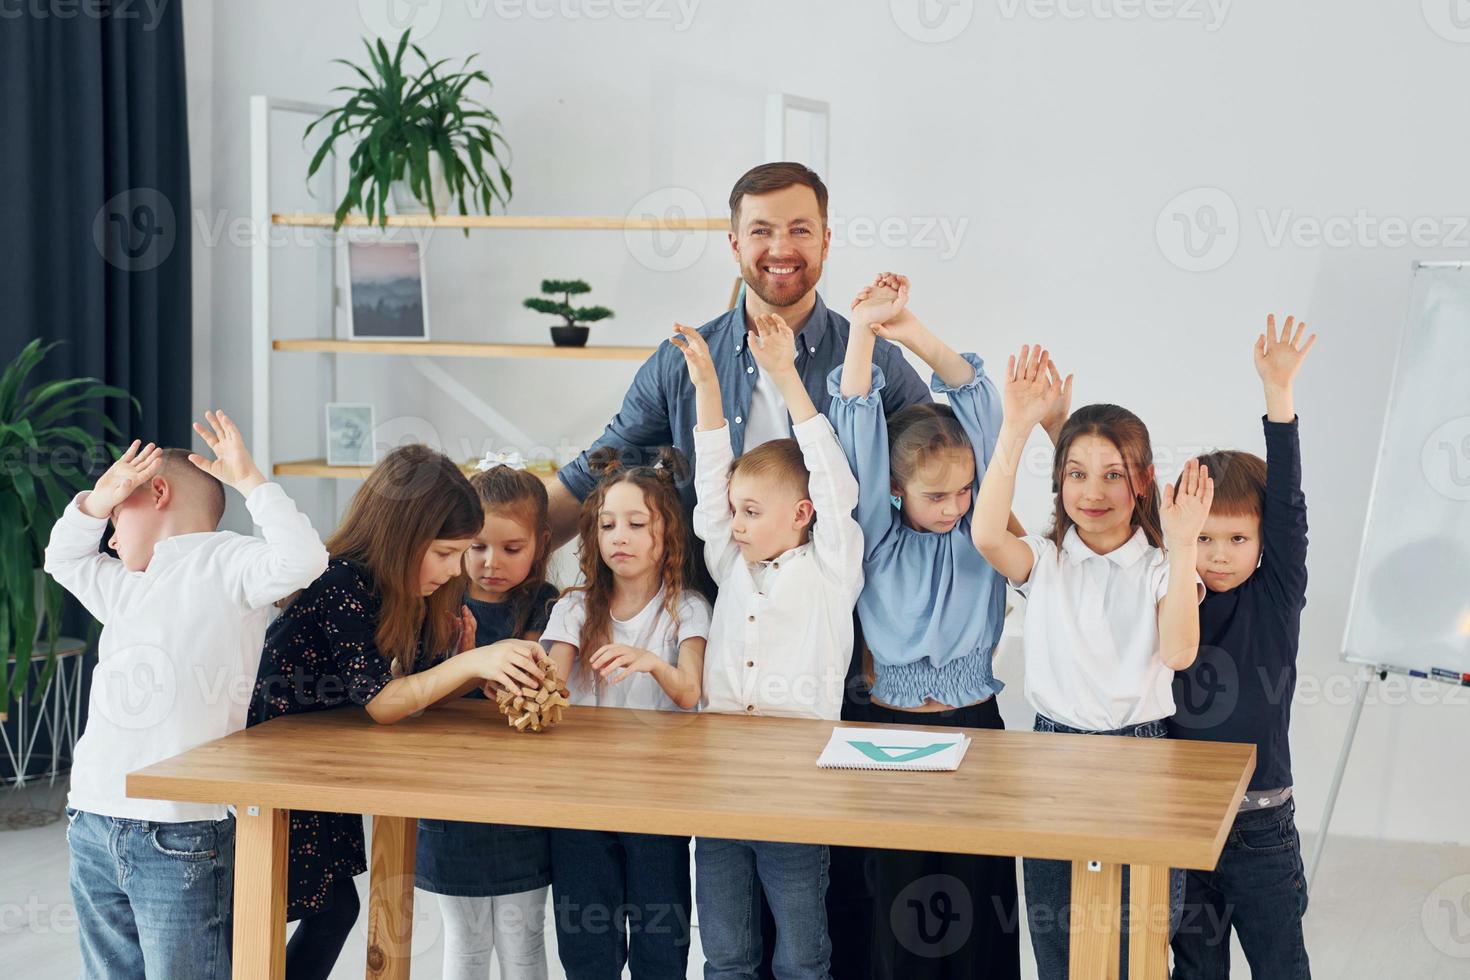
(1410, 608)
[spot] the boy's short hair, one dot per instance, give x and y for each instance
(779, 459)
(192, 485)
(1240, 482)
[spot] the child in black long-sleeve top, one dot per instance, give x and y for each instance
(1253, 559)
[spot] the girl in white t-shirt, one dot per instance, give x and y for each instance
(630, 636)
(1112, 592)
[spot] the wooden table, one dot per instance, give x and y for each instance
(1100, 803)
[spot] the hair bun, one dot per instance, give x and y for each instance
(671, 465)
(605, 461)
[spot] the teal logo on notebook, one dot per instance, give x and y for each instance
(904, 753)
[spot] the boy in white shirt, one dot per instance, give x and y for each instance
(783, 548)
(184, 609)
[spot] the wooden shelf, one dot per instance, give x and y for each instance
(318, 467)
(507, 222)
(446, 348)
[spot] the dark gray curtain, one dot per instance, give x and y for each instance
(94, 176)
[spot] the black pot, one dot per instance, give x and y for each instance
(569, 336)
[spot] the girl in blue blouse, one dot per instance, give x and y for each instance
(931, 612)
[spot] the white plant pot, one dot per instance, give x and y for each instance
(402, 201)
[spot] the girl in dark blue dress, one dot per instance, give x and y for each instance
(492, 879)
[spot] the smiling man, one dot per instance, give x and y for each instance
(779, 237)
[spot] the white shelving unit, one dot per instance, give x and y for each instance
(420, 354)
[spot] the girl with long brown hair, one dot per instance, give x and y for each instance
(630, 635)
(376, 630)
(1111, 591)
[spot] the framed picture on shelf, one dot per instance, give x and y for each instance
(385, 284)
(350, 435)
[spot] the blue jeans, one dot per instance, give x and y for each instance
(152, 899)
(1049, 884)
(1259, 889)
(793, 878)
(620, 898)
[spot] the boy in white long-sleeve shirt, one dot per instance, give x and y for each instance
(184, 609)
(781, 544)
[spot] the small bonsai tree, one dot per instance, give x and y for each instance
(574, 315)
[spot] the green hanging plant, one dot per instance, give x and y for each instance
(41, 429)
(398, 122)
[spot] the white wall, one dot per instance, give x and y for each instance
(1050, 144)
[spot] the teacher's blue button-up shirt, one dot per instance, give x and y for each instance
(658, 409)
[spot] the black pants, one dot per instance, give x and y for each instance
(318, 940)
(944, 916)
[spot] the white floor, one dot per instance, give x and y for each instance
(1380, 911)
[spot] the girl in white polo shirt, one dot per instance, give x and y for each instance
(1111, 590)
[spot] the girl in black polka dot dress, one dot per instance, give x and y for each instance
(374, 632)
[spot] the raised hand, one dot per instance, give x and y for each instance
(1033, 387)
(772, 344)
(135, 467)
(881, 302)
(232, 464)
(696, 354)
(1061, 410)
(1186, 505)
(1279, 358)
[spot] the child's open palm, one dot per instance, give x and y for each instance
(1186, 505)
(232, 464)
(1279, 358)
(772, 344)
(135, 467)
(697, 357)
(1033, 386)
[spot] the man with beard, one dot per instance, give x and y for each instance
(779, 237)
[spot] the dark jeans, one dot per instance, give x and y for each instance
(1049, 883)
(943, 916)
(621, 898)
(1259, 889)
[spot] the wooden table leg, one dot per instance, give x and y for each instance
(1097, 897)
(1148, 922)
(390, 901)
(260, 893)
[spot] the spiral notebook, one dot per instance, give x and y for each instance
(882, 748)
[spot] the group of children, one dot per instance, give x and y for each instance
(434, 587)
